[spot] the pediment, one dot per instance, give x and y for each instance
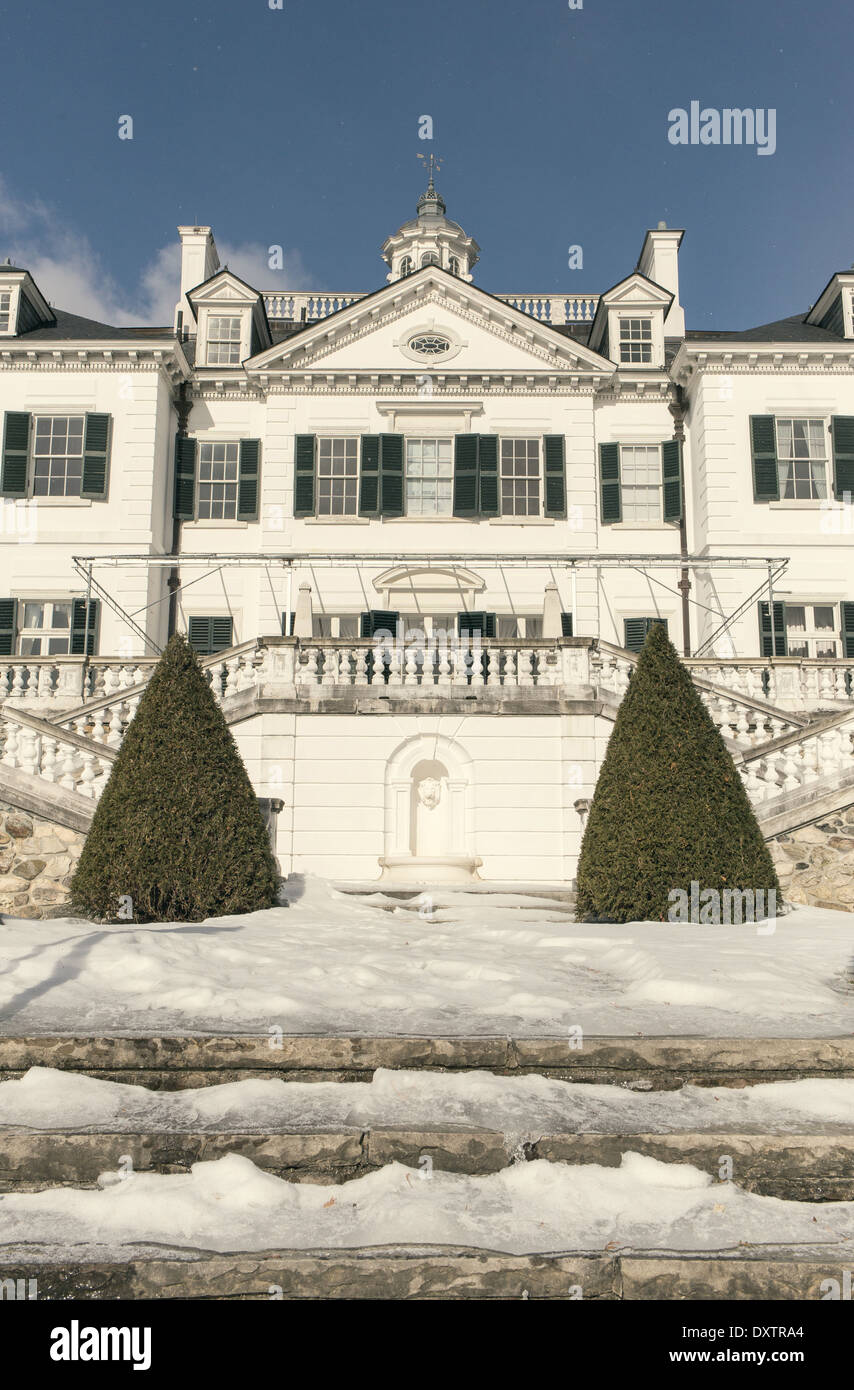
(223, 287)
(418, 578)
(636, 289)
(378, 334)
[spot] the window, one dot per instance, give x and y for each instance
(45, 628)
(802, 458)
(811, 629)
(223, 341)
(520, 477)
(429, 477)
(640, 482)
(337, 477)
(207, 635)
(341, 625)
(454, 266)
(219, 465)
(406, 266)
(58, 455)
(430, 258)
(635, 631)
(429, 344)
(635, 340)
(5, 310)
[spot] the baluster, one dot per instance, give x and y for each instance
(88, 775)
(307, 674)
(104, 767)
(48, 767)
(477, 655)
(493, 657)
(12, 745)
(18, 681)
(68, 778)
(395, 663)
(510, 677)
(444, 675)
(98, 721)
(525, 673)
(31, 694)
(361, 666)
(411, 665)
(344, 674)
(46, 681)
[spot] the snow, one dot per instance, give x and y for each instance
(464, 964)
(230, 1205)
(519, 1107)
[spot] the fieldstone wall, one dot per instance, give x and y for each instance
(815, 864)
(37, 860)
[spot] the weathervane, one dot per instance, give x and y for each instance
(432, 162)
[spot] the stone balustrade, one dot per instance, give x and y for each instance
(823, 753)
(303, 306)
(64, 756)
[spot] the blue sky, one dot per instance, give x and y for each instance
(299, 127)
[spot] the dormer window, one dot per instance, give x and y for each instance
(224, 340)
(5, 310)
(406, 266)
(635, 340)
(430, 258)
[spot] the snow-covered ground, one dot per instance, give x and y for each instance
(332, 963)
(529, 1207)
(515, 1106)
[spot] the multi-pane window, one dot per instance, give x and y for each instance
(802, 458)
(429, 477)
(811, 629)
(218, 473)
(223, 341)
(45, 629)
(58, 455)
(337, 477)
(454, 265)
(635, 340)
(5, 310)
(406, 266)
(640, 482)
(430, 258)
(520, 477)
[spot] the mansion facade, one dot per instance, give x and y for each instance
(418, 536)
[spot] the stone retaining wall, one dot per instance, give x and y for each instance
(815, 864)
(37, 860)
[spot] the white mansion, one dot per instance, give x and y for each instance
(418, 536)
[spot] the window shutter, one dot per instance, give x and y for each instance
(185, 478)
(471, 623)
(635, 631)
(465, 475)
(304, 451)
(369, 476)
(609, 479)
(671, 476)
(772, 634)
(285, 632)
(391, 474)
(8, 615)
(16, 446)
(554, 483)
(96, 456)
(842, 427)
(79, 626)
(763, 442)
(207, 635)
(566, 625)
(487, 467)
(376, 621)
(847, 629)
(249, 480)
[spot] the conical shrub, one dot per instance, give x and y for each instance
(670, 809)
(177, 834)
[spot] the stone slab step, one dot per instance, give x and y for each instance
(804, 1167)
(653, 1063)
(432, 1273)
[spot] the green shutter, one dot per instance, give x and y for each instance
(465, 475)
(249, 480)
(377, 621)
(391, 474)
(554, 483)
(848, 630)
(96, 456)
(304, 451)
(185, 478)
(609, 482)
(16, 445)
(566, 625)
(772, 636)
(487, 468)
(79, 626)
(369, 476)
(8, 615)
(207, 635)
(671, 476)
(842, 427)
(635, 631)
(482, 623)
(763, 443)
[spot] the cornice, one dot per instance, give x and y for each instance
(731, 359)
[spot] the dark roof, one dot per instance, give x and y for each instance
(16, 269)
(69, 327)
(791, 330)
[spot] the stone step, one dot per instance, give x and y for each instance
(435, 1273)
(653, 1063)
(809, 1166)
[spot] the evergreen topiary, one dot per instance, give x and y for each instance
(178, 830)
(670, 809)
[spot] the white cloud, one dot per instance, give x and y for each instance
(71, 274)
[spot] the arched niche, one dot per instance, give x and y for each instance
(428, 812)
